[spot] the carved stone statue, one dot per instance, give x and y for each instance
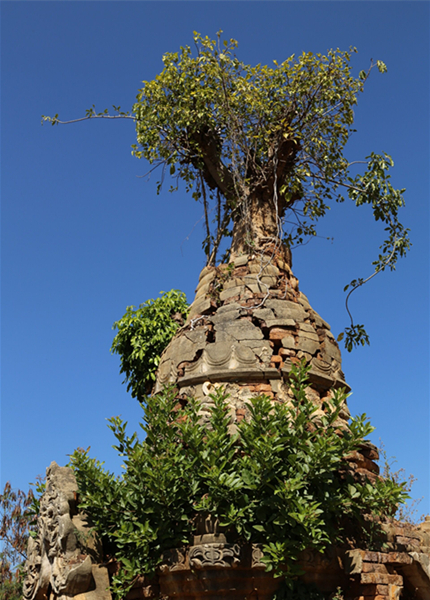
(62, 558)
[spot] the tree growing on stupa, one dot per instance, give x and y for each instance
(263, 148)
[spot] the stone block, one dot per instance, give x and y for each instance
(263, 314)
(307, 345)
(101, 584)
(307, 328)
(319, 322)
(208, 278)
(199, 307)
(281, 323)
(261, 348)
(183, 349)
(283, 265)
(231, 292)
(240, 261)
(226, 316)
(289, 342)
(228, 307)
(257, 288)
(232, 282)
(303, 301)
(270, 270)
(197, 336)
(331, 351)
(205, 271)
(269, 281)
(309, 336)
(202, 290)
(241, 330)
(287, 309)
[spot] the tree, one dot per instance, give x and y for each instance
(263, 148)
(16, 513)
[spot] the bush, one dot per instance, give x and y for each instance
(280, 481)
(143, 334)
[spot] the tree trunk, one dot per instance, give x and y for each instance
(257, 224)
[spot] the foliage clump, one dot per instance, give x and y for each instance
(143, 334)
(281, 481)
(263, 148)
(18, 512)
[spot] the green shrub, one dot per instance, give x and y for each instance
(280, 481)
(143, 334)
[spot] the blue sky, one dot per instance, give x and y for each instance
(84, 235)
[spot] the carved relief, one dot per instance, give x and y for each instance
(54, 557)
(174, 560)
(257, 555)
(214, 556)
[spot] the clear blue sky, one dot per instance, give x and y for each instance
(84, 235)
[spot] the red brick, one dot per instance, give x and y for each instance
(374, 557)
(277, 333)
(276, 360)
(371, 567)
(381, 578)
(263, 388)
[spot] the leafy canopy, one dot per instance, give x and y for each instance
(281, 481)
(263, 147)
(143, 334)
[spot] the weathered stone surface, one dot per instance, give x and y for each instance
(263, 314)
(232, 282)
(185, 350)
(307, 345)
(205, 271)
(261, 348)
(207, 279)
(286, 309)
(283, 265)
(199, 307)
(267, 270)
(226, 316)
(240, 261)
(241, 330)
(319, 322)
(303, 300)
(228, 307)
(331, 351)
(231, 292)
(291, 323)
(260, 279)
(307, 328)
(202, 291)
(288, 341)
(197, 336)
(56, 558)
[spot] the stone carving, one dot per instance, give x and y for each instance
(257, 555)
(57, 562)
(174, 560)
(214, 556)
